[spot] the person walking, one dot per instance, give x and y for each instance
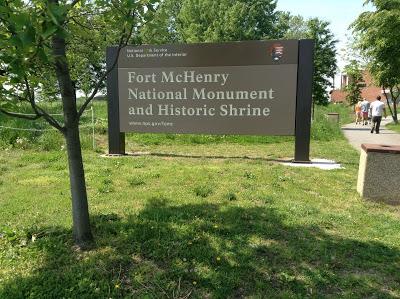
(364, 111)
(377, 109)
(357, 110)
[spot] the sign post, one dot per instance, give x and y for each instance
(249, 88)
(304, 101)
(116, 139)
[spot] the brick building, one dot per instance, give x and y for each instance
(368, 89)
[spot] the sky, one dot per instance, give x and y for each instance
(340, 13)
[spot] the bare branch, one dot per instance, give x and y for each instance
(20, 115)
(83, 25)
(51, 120)
(17, 97)
(40, 111)
(121, 44)
(398, 91)
(391, 92)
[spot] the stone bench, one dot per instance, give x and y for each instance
(379, 172)
(333, 117)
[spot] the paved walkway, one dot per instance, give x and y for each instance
(358, 134)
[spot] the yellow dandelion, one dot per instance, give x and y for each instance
(218, 258)
(117, 286)
(194, 282)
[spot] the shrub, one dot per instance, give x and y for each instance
(50, 141)
(136, 181)
(106, 186)
(231, 196)
(203, 191)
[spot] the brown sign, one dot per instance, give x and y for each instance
(225, 88)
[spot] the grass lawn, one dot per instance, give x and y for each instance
(201, 217)
(394, 127)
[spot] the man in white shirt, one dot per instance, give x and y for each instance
(377, 109)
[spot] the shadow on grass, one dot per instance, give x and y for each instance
(206, 251)
(191, 156)
(368, 129)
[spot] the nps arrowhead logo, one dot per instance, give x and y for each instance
(277, 52)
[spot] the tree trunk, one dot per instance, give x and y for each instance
(390, 108)
(396, 121)
(394, 112)
(387, 102)
(80, 212)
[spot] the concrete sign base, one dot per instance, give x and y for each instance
(378, 174)
(316, 163)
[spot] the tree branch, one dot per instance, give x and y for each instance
(51, 120)
(398, 91)
(83, 25)
(20, 115)
(18, 97)
(40, 111)
(121, 44)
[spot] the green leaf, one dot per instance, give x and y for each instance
(3, 79)
(42, 55)
(28, 36)
(56, 13)
(49, 31)
(15, 40)
(20, 19)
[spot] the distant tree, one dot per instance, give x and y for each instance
(282, 25)
(51, 48)
(325, 63)
(297, 28)
(235, 20)
(163, 27)
(193, 21)
(350, 53)
(378, 37)
(354, 72)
